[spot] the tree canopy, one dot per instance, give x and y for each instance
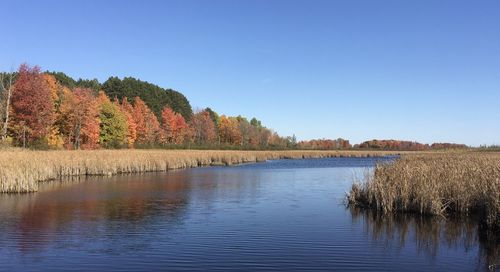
(154, 96)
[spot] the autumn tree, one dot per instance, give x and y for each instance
(175, 130)
(181, 130)
(32, 105)
(55, 137)
(264, 137)
(80, 113)
(254, 136)
(53, 86)
(113, 126)
(167, 125)
(246, 129)
(128, 109)
(203, 128)
(148, 127)
(229, 130)
(216, 119)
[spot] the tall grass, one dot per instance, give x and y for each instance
(21, 170)
(436, 183)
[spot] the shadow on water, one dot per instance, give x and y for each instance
(428, 233)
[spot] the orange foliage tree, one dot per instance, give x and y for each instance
(167, 125)
(80, 112)
(148, 127)
(175, 130)
(128, 109)
(229, 131)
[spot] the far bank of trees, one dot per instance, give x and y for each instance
(406, 145)
(51, 110)
(325, 144)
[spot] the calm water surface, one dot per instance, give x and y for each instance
(281, 215)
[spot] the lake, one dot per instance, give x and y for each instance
(285, 215)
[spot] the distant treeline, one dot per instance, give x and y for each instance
(52, 110)
(406, 145)
(489, 148)
(395, 145)
(325, 144)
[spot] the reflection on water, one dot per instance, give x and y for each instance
(432, 234)
(276, 216)
(63, 205)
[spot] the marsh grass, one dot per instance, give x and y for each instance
(21, 170)
(436, 184)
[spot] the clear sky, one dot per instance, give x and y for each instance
(427, 71)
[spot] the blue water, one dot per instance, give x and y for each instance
(285, 215)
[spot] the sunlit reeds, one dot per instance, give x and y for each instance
(437, 184)
(21, 170)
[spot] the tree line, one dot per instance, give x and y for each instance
(406, 145)
(390, 145)
(51, 110)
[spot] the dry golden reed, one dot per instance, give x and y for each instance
(435, 183)
(21, 170)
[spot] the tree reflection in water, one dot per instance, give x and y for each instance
(91, 210)
(431, 232)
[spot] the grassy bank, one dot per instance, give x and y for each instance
(21, 170)
(438, 184)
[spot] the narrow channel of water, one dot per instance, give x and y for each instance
(286, 215)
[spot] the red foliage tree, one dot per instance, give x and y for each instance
(32, 105)
(203, 127)
(181, 130)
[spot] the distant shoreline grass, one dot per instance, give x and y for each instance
(448, 183)
(21, 170)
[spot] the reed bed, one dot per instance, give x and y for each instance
(436, 184)
(21, 170)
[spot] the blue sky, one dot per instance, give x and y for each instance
(427, 71)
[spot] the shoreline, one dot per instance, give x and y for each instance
(21, 170)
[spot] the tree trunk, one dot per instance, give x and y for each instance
(77, 135)
(24, 136)
(7, 107)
